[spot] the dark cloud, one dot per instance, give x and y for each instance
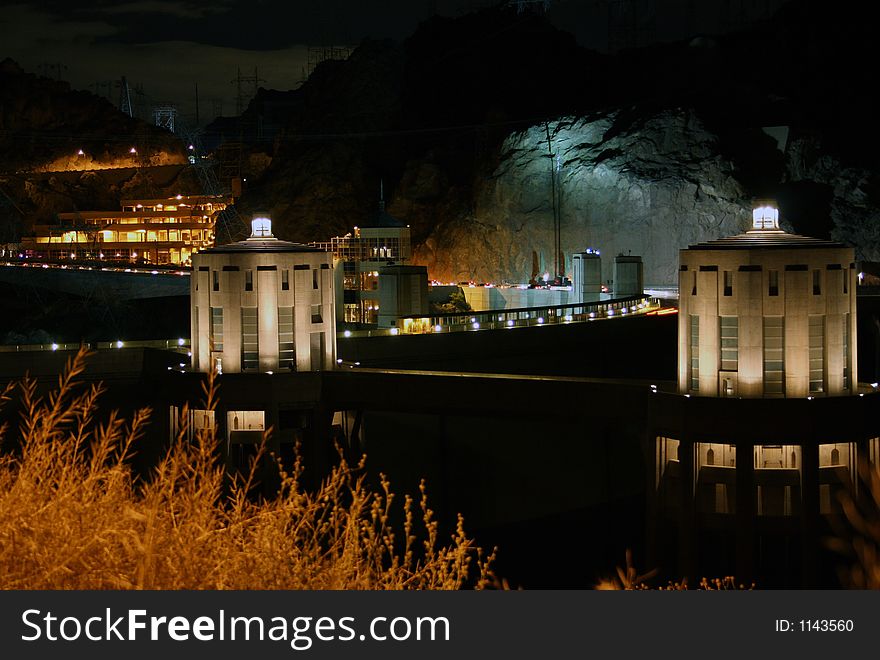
(170, 46)
(253, 25)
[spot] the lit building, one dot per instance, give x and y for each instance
(763, 315)
(403, 291)
(628, 276)
(263, 305)
(767, 313)
(153, 231)
(383, 240)
(586, 277)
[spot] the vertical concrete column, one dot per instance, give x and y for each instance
(684, 311)
(652, 492)
(746, 511)
(687, 538)
(267, 321)
(810, 512)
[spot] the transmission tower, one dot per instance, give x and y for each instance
(523, 6)
(555, 203)
(229, 222)
(737, 14)
(54, 70)
(318, 54)
(10, 225)
(631, 23)
(125, 98)
(164, 116)
(242, 83)
(102, 88)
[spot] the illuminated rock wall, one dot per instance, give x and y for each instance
(648, 187)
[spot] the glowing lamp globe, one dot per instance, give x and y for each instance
(261, 228)
(765, 216)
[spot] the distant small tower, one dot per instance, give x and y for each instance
(263, 304)
(628, 276)
(767, 314)
(586, 277)
(403, 291)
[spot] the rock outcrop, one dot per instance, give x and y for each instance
(656, 148)
(44, 124)
(625, 184)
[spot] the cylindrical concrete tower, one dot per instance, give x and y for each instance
(263, 305)
(767, 314)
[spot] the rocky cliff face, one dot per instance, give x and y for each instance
(625, 184)
(848, 194)
(44, 125)
(654, 149)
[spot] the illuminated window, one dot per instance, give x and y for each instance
(777, 494)
(286, 348)
(217, 329)
(817, 354)
(250, 351)
(774, 356)
(198, 421)
(729, 337)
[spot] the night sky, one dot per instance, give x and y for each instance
(169, 46)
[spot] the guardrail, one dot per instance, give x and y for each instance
(179, 345)
(512, 318)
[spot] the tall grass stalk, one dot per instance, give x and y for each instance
(74, 516)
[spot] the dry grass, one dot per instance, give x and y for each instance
(629, 579)
(73, 516)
